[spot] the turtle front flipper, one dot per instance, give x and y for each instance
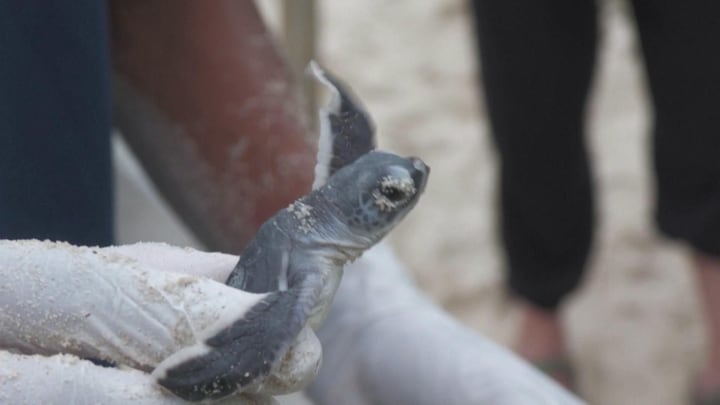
(346, 130)
(244, 351)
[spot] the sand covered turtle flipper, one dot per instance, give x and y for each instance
(346, 129)
(244, 351)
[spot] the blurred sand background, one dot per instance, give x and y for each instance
(634, 329)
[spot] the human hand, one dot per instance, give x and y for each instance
(133, 306)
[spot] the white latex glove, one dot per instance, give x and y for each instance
(133, 305)
(386, 343)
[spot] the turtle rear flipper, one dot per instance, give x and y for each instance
(245, 351)
(346, 130)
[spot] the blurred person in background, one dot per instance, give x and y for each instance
(537, 60)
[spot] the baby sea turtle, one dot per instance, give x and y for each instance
(297, 256)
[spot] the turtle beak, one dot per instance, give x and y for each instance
(420, 173)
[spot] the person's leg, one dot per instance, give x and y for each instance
(55, 171)
(537, 59)
(679, 41)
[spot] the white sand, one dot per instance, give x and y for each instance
(634, 328)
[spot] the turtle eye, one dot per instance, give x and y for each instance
(392, 193)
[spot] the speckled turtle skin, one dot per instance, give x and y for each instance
(297, 256)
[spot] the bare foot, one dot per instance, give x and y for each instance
(541, 341)
(540, 335)
(708, 275)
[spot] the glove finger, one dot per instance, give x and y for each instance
(65, 379)
(57, 298)
(164, 257)
(300, 364)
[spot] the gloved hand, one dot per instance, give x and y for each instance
(385, 342)
(133, 306)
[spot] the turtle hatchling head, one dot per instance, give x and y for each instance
(376, 191)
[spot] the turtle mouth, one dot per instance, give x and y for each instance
(419, 174)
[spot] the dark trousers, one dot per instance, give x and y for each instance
(537, 59)
(55, 121)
